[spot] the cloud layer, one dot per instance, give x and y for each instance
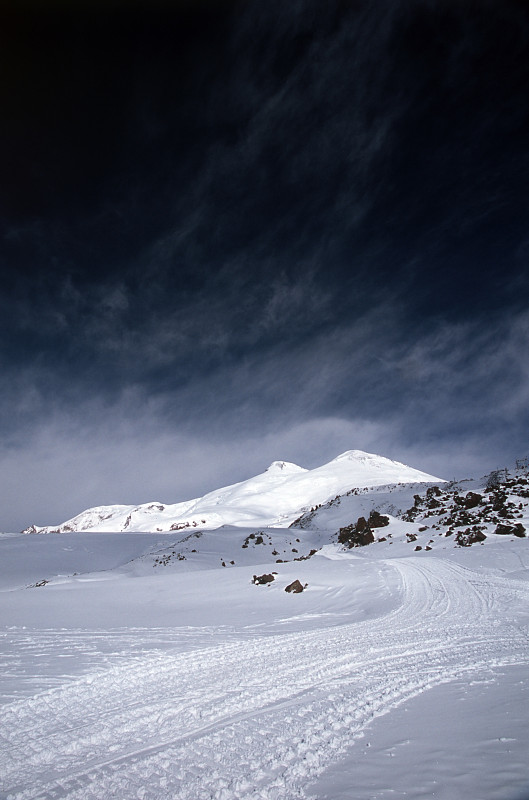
(236, 233)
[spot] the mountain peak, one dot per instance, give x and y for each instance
(274, 498)
(356, 455)
(360, 456)
(285, 467)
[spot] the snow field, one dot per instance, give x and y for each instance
(258, 717)
(149, 665)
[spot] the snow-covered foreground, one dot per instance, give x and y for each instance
(136, 680)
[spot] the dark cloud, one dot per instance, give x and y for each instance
(235, 230)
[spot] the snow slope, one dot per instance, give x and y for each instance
(152, 666)
(275, 498)
(236, 710)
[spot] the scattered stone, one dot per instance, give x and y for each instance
(470, 536)
(510, 530)
(255, 538)
(433, 503)
(260, 580)
(295, 587)
(305, 558)
(472, 499)
(433, 491)
(498, 500)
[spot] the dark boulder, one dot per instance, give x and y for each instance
(498, 500)
(510, 530)
(295, 587)
(472, 499)
(361, 539)
(262, 579)
(470, 536)
(357, 534)
(377, 520)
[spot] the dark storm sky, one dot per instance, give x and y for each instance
(235, 232)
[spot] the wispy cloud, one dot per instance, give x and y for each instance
(327, 251)
(438, 403)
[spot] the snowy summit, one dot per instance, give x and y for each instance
(273, 499)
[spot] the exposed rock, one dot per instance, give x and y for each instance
(510, 530)
(176, 526)
(305, 558)
(470, 536)
(433, 503)
(255, 538)
(433, 491)
(364, 538)
(502, 504)
(356, 535)
(472, 499)
(295, 587)
(260, 580)
(498, 500)
(31, 529)
(377, 520)
(359, 534)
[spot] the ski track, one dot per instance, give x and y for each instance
(260, 717)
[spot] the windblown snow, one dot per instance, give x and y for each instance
(174, 665)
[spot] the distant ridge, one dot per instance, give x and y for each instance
(273, 499)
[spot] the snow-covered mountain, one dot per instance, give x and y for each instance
(273, 499)
(280, 662)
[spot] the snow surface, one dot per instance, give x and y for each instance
(275, 498)
(141, 665)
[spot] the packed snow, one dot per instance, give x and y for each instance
(175, 665)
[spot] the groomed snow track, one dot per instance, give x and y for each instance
(260, 717)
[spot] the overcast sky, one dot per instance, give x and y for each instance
(236, 232)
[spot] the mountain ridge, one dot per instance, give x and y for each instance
(274, 498)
